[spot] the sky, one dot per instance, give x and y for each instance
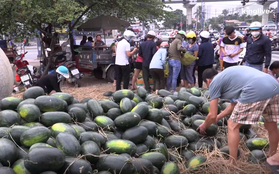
(216, 8)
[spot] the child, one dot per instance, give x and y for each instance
(157, 66)
(274, 70)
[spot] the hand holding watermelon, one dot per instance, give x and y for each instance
(202, 128)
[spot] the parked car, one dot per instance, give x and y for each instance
(165, 35)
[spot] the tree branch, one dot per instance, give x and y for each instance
(83, 13)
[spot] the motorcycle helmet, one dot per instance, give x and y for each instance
(164, 44)
(62, 70)
(151, 33)
(255, 26)
(128, 35)
(205, 34)
(181, 32)
(191, 35)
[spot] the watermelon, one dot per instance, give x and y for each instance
(7, 170)
(116, 164)
(210, 131)
(189, 110)
(76, 166)
(126, 105)
(141, 91)
(27, 101)
(119, 146)
(155, 115)
(141, 109)
(256, 157)
(34, 135)
(150, 126)
(162, 148)
(190, 134)
(170, 168)
(77, 114)
(164, 93)
(120, 94)
(137, 98)
(176, 141)
(17, 131)
(104, 122)
(64, 96)
(143, 166)
(78, 129)
(156, 158)
(33, 92)
(29, 112)
(107, 105)
(62, 127)
(137, 134)
(94, 108)
(127, 120)
(8, 152)
(40, 145)
(256, 143)
(91, 150)
(92, 136)
(156, 102)
(196, 101)
(113, 113)
(50, 103)
(50, 118)
(8, 118)
(68, 144)
(9, 103)
(195, 162)
(19, 167)
(38, 160)
(195, 91)
(168, 100)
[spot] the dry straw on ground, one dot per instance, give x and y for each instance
(216, 163)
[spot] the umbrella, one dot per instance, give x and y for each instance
(103, 22)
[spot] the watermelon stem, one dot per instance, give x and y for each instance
(16, 143)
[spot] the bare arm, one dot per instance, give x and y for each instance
(212, 115)
(226, 112)
(130, 53)
(196, 53)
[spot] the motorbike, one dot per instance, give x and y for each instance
(25, 73)
(274, 43)
(59, 58)
(75, 75)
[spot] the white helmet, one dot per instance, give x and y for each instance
(255, 26)
(205, 34)
(128, 34)
(152, 33)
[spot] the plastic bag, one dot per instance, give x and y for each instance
(187, 59)
(166, 70)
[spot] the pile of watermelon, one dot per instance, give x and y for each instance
(124, 133)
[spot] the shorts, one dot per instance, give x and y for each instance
(138, 65)
(249, 113)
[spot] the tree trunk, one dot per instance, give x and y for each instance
(71, 41)
(50, 57)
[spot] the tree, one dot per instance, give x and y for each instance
(200, 15)
(174, 19)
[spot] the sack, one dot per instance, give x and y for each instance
(166, 70)
(187, 59)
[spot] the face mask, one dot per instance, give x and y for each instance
(190, 41)
(255, 33)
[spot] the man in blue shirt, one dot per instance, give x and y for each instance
(147, 51)
(252, 93)
(89, 42)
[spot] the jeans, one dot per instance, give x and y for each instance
(123, 72)
(188, 73)
(256, 66)
(200, 71)
(174, 70)
(158, 78)
(145, 76)
(227, 65)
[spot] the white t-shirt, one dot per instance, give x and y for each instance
(121, 56)
(232, 46)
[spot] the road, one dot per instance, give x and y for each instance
(32, 54)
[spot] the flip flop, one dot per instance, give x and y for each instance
(273, 168)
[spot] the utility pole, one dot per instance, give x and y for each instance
(277, 14)
(201, 16)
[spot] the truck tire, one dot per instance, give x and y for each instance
(110, 74)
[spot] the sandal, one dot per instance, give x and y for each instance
(273, 168)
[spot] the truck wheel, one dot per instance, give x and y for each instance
(110, 74)
(98, 73)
